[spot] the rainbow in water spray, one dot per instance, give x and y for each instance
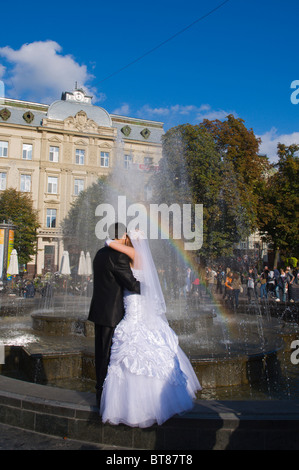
(154, 220)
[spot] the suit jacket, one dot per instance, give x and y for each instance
(112, 273)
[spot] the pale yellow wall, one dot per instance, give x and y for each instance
(68, 135)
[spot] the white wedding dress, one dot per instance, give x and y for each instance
(149, 378)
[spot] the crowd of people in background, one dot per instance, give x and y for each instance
(49, 285)
(226, 282)
(276, 284)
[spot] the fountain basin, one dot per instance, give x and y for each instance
(69, 361)
(61, 324)
(46, 367)
(203, 337)
(57, 346)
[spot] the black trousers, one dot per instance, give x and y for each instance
(103, 342)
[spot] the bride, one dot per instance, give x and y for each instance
(149, 377)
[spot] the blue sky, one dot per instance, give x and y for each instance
(241, 59)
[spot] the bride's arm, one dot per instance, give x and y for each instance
(127, 250)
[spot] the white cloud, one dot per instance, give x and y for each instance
(40, 72)
(183, 110)
(206, 112)
(2, 70)
(178, 114)
(123, 110)
(148, 111)
(270, 140)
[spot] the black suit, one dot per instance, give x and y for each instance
(112, 273)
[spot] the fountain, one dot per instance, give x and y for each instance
(240, 355)
(235, 354)
(243, 353)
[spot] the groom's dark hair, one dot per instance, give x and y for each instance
(117, 230)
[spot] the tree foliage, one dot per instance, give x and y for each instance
(279, 202)
(215, 164)
(17, 207)
(241, 161)
(78, 227)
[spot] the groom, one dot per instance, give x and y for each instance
(112, 273)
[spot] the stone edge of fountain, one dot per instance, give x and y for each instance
(237, 425)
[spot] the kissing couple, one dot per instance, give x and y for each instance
(143, 377)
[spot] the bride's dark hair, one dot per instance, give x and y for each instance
(128, 241)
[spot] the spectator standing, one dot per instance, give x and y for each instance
(219, 279)
(271, 283)
(250, 285)
(263, 281)
(282, 285)
(276, 277)
(290, 279)
(237, 287)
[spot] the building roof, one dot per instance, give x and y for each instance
(32, 114)
(63, 109)
(23, 113)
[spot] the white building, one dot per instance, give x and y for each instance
(54, 152)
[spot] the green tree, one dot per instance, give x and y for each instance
(17, 207)
(279, 203)
(241, 163)
(204, 164)
(78, 227)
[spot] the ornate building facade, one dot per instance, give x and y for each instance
(54, 152)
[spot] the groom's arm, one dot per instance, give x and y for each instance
(124, 275)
